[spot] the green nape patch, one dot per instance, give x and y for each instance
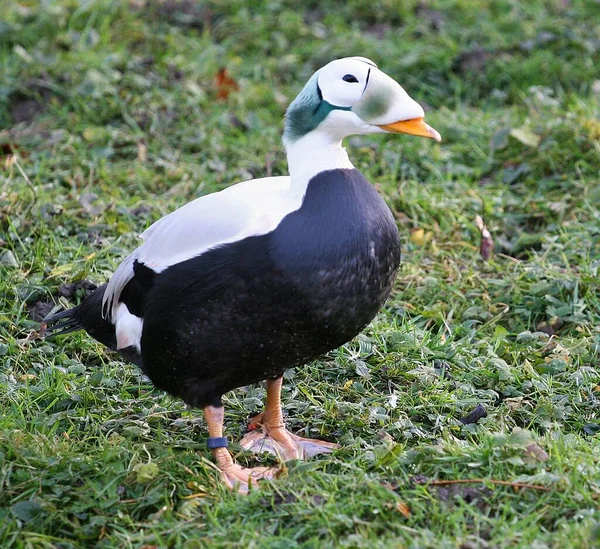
(467, 412)
(307, 111)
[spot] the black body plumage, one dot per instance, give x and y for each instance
(246, 311)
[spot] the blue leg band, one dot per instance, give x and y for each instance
(216, 442)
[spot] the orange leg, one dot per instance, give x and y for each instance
(270, 435)
(234, 476)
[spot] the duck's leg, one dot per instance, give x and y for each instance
(270, 435)
(235, 476)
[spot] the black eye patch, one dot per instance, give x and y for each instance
(350, 78)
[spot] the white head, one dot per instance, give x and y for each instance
(352, 96)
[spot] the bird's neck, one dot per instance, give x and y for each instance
(312, 154)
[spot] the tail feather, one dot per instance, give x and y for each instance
(88, 316)
(62, 323)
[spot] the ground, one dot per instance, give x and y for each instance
(484, 364)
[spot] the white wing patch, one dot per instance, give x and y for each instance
(250, 208)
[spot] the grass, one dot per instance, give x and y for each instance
(112, 111)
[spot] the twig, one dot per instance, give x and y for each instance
(488, 480)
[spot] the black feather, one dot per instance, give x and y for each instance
(88, 316)
(61, 323)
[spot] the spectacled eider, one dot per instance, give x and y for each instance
(237, 286)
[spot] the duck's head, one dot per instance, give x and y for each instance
(352, 96)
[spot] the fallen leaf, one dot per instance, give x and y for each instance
(420, 237)
(27, 377)
(402, 508)
(224, 84)
(474, 415)
(526, 136)
(551, 327)
(536, 453)
(10, 150)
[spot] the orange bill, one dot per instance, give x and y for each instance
(414, 126)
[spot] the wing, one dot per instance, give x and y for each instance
(250, 208)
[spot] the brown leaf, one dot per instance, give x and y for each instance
(536, 453)
(9, 151)
(26, 377)
(224, 84)
(7, 148)
(402, 508)
(551, 327)
(487, 242)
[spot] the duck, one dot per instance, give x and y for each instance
(238, 286)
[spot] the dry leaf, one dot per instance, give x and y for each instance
(550, 327)
(27, 377)
(420, 237)
(9, 152)
(536, 452)
(526, 136)
(224, 84)
(402, 508)
(474, 415)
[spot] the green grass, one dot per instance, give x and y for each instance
(112, 110)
